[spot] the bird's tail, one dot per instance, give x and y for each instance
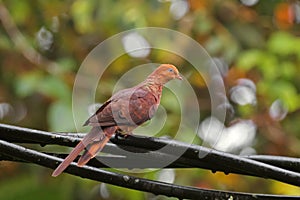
(93, 142)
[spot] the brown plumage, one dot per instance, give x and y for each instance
(123, 112)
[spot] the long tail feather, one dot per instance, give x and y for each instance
(93, 148)
(74, 153)
(91, 136)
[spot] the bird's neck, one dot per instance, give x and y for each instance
(155, 79)
(152, 86)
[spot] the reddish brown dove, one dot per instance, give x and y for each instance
(124, 111)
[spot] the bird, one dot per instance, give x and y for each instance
(121, 114)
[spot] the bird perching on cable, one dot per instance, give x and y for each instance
(123, 112)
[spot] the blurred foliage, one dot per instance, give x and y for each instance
(259, 42)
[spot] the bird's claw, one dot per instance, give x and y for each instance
(122, 135)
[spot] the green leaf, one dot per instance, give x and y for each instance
(170, 101)
(20, 11)
(269, 66)
(288, 70)
(250, 59)
(60, 117)
(214, 45)
(81, 11)
(54, 87)
(126, 193)
(203, 24)
(48, 85)
(28, 83)
(66, 64)
(283, 43)
(5, 43)
(282, 90)
(31, 186)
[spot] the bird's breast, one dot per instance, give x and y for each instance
(143, 108)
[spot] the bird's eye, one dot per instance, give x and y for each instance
(170, 70)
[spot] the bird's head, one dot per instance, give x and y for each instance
(164, 73)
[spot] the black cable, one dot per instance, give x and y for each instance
(153, 150)
(155, 187)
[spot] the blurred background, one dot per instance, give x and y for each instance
(254, 43)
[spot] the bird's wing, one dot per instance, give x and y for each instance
(95, 120)
(130, 107)
(105, 115)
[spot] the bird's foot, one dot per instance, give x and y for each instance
(122, 134)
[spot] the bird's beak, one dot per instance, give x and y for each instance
(179, 77)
